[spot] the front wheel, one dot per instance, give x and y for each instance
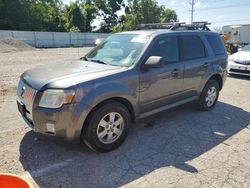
(107, 127)
(209, 96)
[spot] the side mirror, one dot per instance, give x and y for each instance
(153, 62)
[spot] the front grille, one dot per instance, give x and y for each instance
(240, 71)
(243, 62)
(25, 93)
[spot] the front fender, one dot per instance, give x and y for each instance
(110, 90)
(101, 93)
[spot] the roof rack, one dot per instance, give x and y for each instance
(176, 26)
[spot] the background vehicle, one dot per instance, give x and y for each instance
(128, 76)
(236, 36)
(239, 63)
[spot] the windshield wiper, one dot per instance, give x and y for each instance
(98, 61)
(84, 58)
(93, 60)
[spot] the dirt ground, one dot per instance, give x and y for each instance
(12, 45)
(183, 148)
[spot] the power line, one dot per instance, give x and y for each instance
(179, 8)
(238, 20)
(184, 6)
(217, 1)
(222, 7)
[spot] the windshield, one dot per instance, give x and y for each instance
(246, 48)
(119, 49)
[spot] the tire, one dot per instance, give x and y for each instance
(107, 127)
(209, 96)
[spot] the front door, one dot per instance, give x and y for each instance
(161, 86)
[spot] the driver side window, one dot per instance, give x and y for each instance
(166, 47)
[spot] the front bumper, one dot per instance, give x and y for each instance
(65, 122)
(239, 69)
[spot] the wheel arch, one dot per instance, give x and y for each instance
(121, 100)
(218, 78)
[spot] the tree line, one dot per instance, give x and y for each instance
(78, 16)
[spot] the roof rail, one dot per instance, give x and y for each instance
(168, 25)
(202, 22)
(175, 26)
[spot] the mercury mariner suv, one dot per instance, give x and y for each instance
(129, 75)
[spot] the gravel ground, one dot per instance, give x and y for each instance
(183, 148)
(12, 45)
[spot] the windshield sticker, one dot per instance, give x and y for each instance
(141, 39)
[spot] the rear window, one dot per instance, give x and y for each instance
(192, 48)
(216, 44)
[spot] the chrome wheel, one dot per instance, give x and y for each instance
(110, 128)
(211, 96)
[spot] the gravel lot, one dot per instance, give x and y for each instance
(183, 148)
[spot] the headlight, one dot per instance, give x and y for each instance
(55, 98)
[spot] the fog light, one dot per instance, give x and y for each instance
(50, 127)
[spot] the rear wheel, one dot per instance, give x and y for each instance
(107, 127)
(209, 96)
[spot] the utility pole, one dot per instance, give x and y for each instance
(192, 11)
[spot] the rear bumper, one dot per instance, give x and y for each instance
(65, 122)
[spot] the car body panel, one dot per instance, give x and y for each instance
(65, 74)
(160, 86)
(240, 56)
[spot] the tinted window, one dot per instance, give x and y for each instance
(166, 47)
(192, 48)
(216, 44)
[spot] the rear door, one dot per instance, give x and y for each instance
(196, 62)
(161, 86)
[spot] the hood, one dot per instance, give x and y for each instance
(240, 56)
(67, 74)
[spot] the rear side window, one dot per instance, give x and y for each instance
(192, 48)
(216, 44)
(166, 47)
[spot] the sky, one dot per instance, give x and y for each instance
(217, 12)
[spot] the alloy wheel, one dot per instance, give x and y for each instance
(110, 127)
(211, 96)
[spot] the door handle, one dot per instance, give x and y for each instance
(205, 64)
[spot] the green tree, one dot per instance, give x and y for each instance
(45, 15)
(52, 15)
(146, 11)
(79, 15)
(74, 17)
(168, 15)
(108, 13)
(39, 15)
(11, 14)
(90, 13)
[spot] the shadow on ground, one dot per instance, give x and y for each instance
(177, 136)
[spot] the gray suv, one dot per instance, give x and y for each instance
(128, 76)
